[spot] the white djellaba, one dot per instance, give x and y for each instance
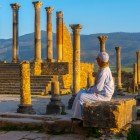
(101, 91)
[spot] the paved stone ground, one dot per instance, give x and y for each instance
(9, 104)
(27, 135)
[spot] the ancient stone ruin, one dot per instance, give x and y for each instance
(63, 76)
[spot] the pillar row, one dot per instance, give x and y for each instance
(15, 58)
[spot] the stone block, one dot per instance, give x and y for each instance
(55, 68)
(114, 114)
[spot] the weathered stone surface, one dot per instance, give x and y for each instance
(68, 57)
(55, 106)
(55, 68)
(37, 38)
(15, 49)
(118, 68)
(113, 114)
(36, 68)
(86, 72)
(25, 89)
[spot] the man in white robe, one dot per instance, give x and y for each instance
(101, 91)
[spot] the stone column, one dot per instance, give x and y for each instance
(135, 78)
(118, 69)
(76, 28)
(49, 29)
(138, 79)
(37, 6)
(59, 35)
(15, 50)
(25, 106)
(55, 106)
(138, 68)
(102, 40)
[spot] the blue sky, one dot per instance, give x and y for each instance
(96, 16)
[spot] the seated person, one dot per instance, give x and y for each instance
(101, 91)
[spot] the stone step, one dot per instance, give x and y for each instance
(21, 123)
(6, 79)
(9, 71)
(13, 92)
(10, 75)
(18, 87)
(18, 84)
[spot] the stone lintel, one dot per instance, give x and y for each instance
(55, 68)
(59, 14)
(37, 4)
(103, 38)
(49, 9)
(15, 6)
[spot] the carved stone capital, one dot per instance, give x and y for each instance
(37, 4)
(15, 6)
(49, 9)
(118, 49)
(76, 27)
(138, 53)
(59, 14)
(103, 38)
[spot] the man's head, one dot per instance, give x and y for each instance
(102, 59)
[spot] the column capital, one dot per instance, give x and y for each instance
(138, 52)
(49, 9)
(77, 27)
(118, 48)
(59, 14)
(37, 4)
(15, 6)
(103, 38)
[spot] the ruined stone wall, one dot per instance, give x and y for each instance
(86, 70)
(67, 56)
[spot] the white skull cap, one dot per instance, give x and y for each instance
(103, 56)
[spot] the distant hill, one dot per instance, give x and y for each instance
(130, 43)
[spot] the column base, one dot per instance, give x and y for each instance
(55, 106)
(71, 100)
(120, 92)
(50, 60)
(15, 61)
(38, 60)
(25, 109)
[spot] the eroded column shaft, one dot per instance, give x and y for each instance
(76, 57)
(135, 78)
(37, 6)
(138, 68)
(59, 35)
(25, 89)
(15, 48)
(118, 67)
(49, 29)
